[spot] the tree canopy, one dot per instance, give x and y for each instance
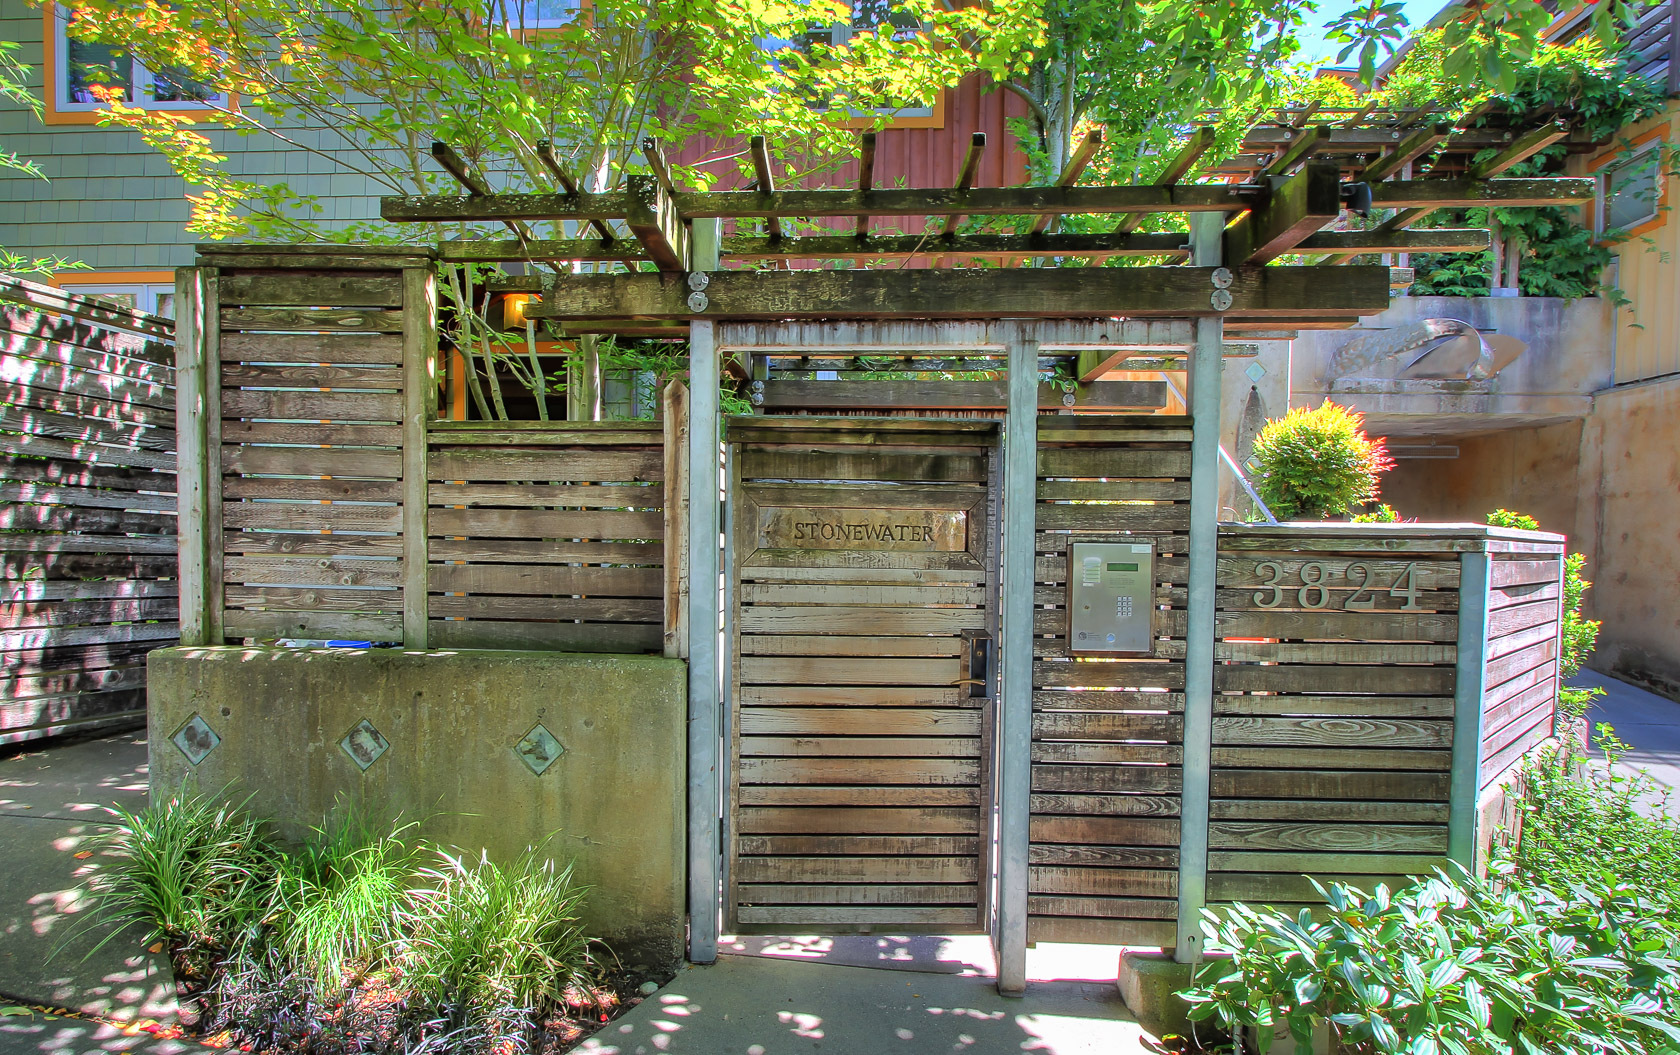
(369, 87)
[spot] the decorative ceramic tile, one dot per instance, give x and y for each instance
(538, 749)
(364, 744)
(1255, 371)
(195, 738)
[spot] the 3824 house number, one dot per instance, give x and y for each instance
(1314, 589)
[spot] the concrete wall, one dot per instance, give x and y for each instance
(1533, 471)
(612, 800)
(1629, 528)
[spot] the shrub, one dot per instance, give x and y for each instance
(1318, 462)
(196, 874)
(484, 938)
(339, 898)
(1582, 822)
(1453, 966)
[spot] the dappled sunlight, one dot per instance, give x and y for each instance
(963, 954)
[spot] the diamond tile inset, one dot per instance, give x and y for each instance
(364, 744)
(1255, 371)
(538, 749)
(195, 738)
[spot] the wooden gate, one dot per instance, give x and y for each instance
(860, 737)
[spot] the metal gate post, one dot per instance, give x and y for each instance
(704, 683)
(1206, 362)
(1020, 476)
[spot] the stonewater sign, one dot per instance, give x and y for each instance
(824, 527)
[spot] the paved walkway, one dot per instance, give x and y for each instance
(52, 802)
(772, 1005)
(1650, 724)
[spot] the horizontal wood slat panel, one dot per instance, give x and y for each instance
(87, 512)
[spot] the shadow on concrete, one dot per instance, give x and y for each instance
(54, 802)
(49, 1035)
(768, 1005)
(1650, 724)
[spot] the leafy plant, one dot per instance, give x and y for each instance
(338, 900)
(1317, 462)
(1583, 821)
(1453, 965)
(194, 872)
(483, 938)
(1383, 514)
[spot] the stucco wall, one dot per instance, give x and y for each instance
(1630, 530)
(1533, 471)
(612, 800)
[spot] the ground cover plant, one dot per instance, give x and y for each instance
(360, 939)
(1454, 965)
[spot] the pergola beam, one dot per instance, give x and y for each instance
(1071, 172)
(1299, 149)
(1379, 240)
(1298, 206)
(1455, 193)
(831, 247)
(766, 181)
(1094, 292)
(979, 201)
(1177, 168)
(965, 180)
(1409, 149)
(655, 223)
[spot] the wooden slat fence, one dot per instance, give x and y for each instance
(1525, 606)
(860, 785)
(1333, 710)
(87, 528)
(301, 455)
(1107, 738)
(547, 535)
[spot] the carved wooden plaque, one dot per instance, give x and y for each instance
(835, 527)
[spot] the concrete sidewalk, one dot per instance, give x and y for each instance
(52, 804)
(1646, 721)
(766, 1005)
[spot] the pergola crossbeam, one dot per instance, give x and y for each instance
(1298, 206)
(987, 201)
(1091, 292)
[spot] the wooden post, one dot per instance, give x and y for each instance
(419, 408)
(215, 549)
(704, 685)
(192, 455)
(1020, 476)
(676, 519)
(1470, 686)
(1206, 361)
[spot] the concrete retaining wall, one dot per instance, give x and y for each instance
(453, 740)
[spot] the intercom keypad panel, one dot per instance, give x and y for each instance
(1111, 598)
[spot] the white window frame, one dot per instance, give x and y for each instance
(839, 34)
(139, 78)
(146, 294)
(1601, 205)
(516, 22)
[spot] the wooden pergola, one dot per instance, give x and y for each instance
(687, 278)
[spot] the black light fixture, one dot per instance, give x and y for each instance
(1356, 198)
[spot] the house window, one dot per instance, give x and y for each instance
(537, 14)
(156, 298)
(1630, 190)
(868, 16)
(81, 69)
